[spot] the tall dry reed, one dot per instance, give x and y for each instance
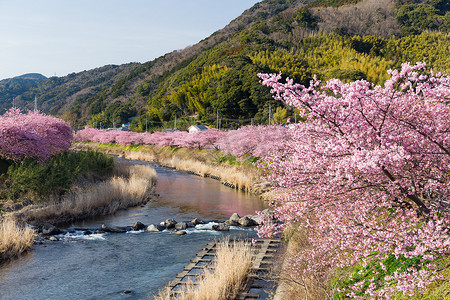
(231, 267)
(202, 162)
(14, 239)
(137, 185)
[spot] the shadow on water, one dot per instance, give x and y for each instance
(104, 266)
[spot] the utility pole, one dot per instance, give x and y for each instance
(252, 121)
(35, 103)
(175, 122)
(217, 121)
(14, 102)
(146, 122)
(270, 113)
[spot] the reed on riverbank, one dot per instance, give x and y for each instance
(14, 239)
(134, 186)
(203, 162)
(227, 277)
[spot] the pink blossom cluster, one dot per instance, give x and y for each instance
(202, 139)
(256, 141)
(34, 135)
(365, 174)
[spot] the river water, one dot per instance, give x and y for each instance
(103, 266)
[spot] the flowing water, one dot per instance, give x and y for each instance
(129, 265)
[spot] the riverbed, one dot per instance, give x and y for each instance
(133, 265)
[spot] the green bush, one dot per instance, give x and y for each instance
(55, 176)
(374, 272)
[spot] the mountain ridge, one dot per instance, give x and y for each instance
(217, 76)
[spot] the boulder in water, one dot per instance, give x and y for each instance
(231, 223)
(180, 232)
(181, 226)
(138, 226)
(197, 221)
(154, 228)
(256, 219)
(221, 227)
(113, 229)
(170, 223)
(49, 229)
(235, 218)
(246, 221)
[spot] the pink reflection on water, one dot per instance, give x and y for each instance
(205, 196)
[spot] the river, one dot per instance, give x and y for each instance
(103, 266)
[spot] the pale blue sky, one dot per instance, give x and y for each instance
(64, 36)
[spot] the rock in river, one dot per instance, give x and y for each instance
(245, 221)
(181, 226)
(138, 226)
(197, 221)
(235, 218)
(221, 227)
(180, 232)
(113, 229)
(170, 223)
(232, 223)
(154, 228)
(49, 229)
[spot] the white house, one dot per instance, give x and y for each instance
(197, 128)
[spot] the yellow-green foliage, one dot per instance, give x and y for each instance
(331, 56)
(328, 53)
(431, 47)
(290, 63)
(374, 67)
(194, 94)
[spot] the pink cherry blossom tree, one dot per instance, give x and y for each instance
(367, 176)
(256, 141)
(34, 135)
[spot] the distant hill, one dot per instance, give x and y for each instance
(14, 87)
(31, 76)
(346, 39)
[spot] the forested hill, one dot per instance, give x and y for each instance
(346, 39)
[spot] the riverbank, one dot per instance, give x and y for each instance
(130, 185)
(127, 186)
(201, 162)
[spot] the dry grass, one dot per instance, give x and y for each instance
(202, 162)
(14, 239)
(231, 267)
(135, 186)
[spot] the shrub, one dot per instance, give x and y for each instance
(56, 175)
